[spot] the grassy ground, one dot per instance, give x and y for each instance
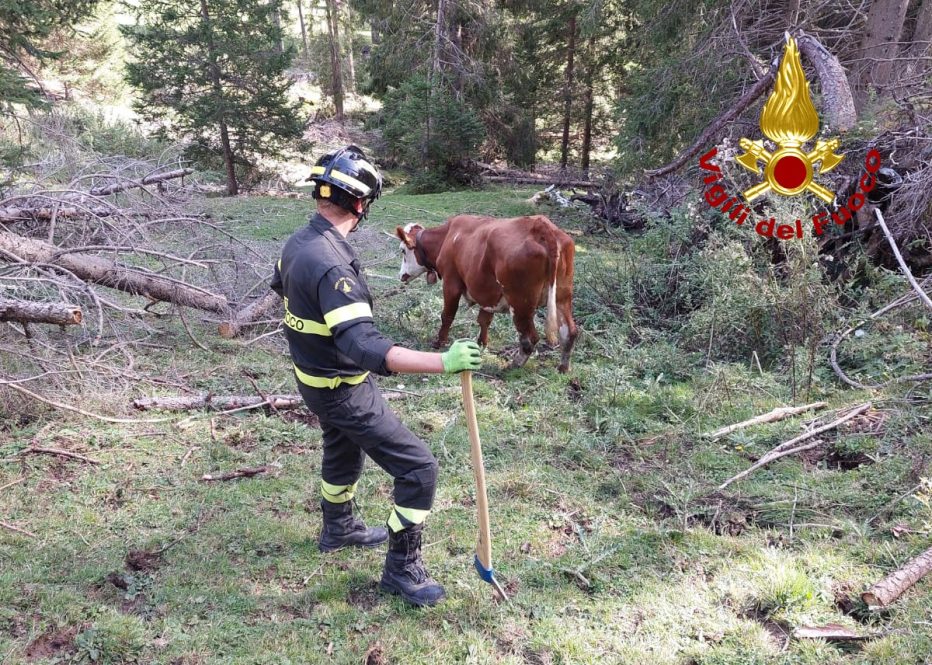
(606, 526)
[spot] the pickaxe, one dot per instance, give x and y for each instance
(483, 559)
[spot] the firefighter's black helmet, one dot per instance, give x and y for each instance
(345, 175)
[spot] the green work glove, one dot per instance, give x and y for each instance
(464, 354)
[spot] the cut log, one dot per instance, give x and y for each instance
(153, 179)
(777, 414)
(892, 587)
(40, 312)
(107, 273)
(255, 311)
(228, 402)
(218, 402)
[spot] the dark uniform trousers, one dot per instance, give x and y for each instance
(356, 421)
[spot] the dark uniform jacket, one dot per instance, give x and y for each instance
(328, 309)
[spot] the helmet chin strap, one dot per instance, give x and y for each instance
(361, 215)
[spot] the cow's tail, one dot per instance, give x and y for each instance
(552, 324)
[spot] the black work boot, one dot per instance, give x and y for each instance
(404, 572)
(343, 529)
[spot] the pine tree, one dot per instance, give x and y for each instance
(23, 27)
(213, 72)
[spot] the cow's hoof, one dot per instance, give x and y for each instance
(563, 369)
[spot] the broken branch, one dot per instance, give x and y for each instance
(248, 472)
(777, 414)
(40, 312)
(787, 447)
(35, 450)
(255, 311)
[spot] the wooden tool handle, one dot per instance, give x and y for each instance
(484, 544)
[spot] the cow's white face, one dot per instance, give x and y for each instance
(410, 268)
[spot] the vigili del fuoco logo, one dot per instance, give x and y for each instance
(790, 121)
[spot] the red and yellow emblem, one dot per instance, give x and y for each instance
(789, 119)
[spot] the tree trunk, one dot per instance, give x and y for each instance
(837, 101)
(232, 185)
(255, 311)
(589, 107)
(434, 69)
(919, 46)
(336, 66)
(107, 273)
(350, 60)
(879, 47)
(307, 53)
(568, 93)
(280, 42)
(375, 32)
(40, 312)
(892, 587)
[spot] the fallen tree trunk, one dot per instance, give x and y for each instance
(40, 312)
(23, 213)
(777, 414)
(733, 112)
(107, 273)
(837, 100)
(253, 312)
(892, 587)
(527, 179)
(153, 179)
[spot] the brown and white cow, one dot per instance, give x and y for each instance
(516, 264)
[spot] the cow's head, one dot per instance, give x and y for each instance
(410, 266)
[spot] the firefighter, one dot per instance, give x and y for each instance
(335, 348)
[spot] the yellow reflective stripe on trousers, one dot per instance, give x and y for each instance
(304, 325)
(337, 493)
(328, 382)
(347, 313)
(411, 515)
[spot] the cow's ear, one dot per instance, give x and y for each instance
(406, 238)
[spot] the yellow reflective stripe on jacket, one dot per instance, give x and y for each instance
(411, 515)
(328, 382)
(357, 310)
(304, 325)
(337, 493)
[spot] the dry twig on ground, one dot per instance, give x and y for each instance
(791, 447)
(777, 414)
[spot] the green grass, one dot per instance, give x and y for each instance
(605, 524)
